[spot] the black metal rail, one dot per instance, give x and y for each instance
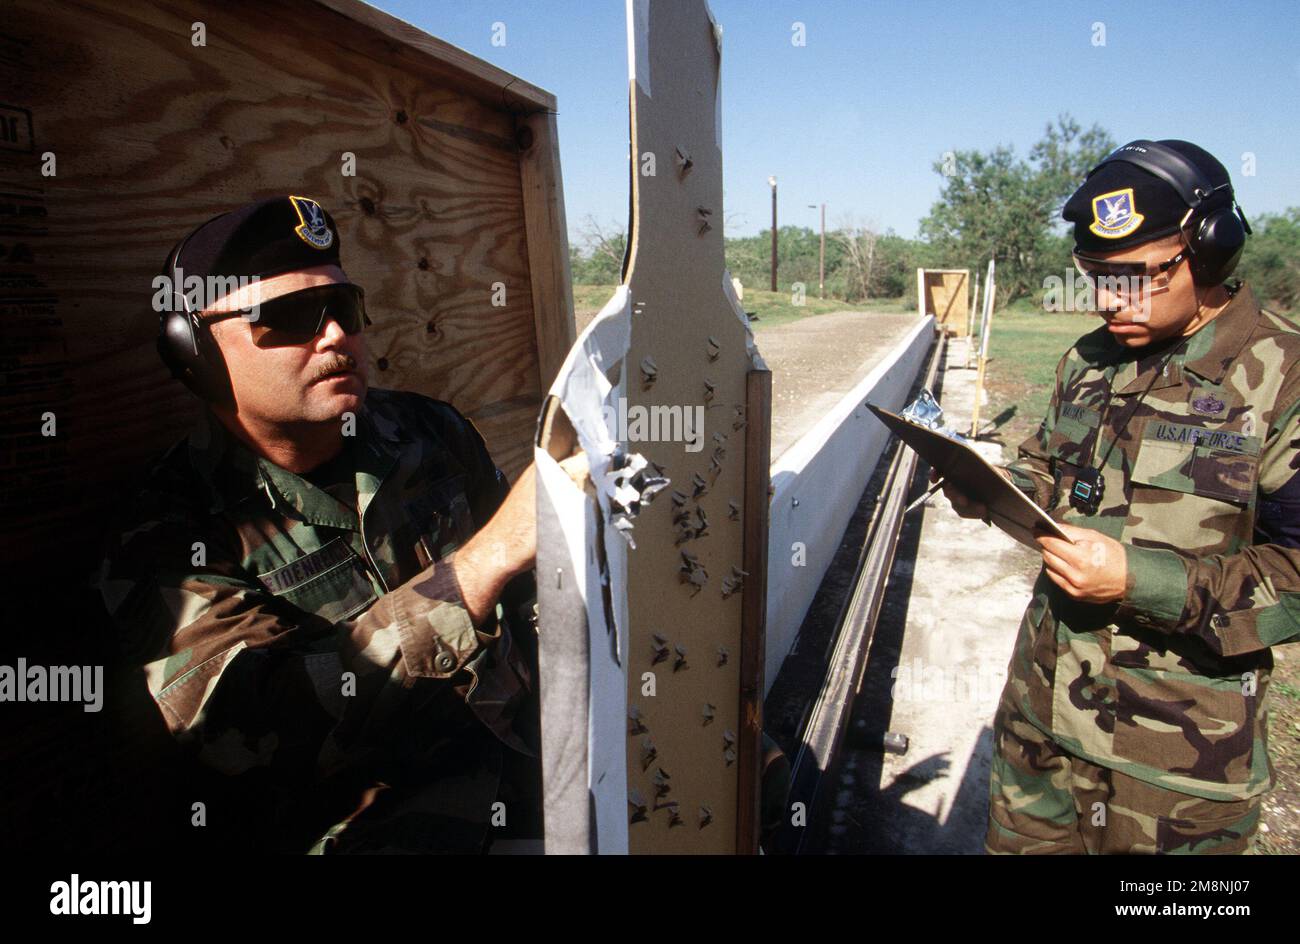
(816, 763)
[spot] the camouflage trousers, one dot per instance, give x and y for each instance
(1044, 800)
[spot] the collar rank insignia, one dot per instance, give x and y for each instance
(1208, 405)
(1114, 214)
(312, 228)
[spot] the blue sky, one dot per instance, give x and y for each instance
(882, 88)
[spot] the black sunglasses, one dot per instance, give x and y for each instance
(1091, 267)
(298, 317)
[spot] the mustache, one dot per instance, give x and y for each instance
(335, 365)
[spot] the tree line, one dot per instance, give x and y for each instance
(992, 204)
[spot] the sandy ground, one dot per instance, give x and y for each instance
(816, 360)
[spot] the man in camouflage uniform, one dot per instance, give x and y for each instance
(1134, 718)
(311, 579)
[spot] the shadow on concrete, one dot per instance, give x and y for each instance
(881, 822)
(861, 818)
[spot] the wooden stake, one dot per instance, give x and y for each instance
(758, 460)
(984, 351)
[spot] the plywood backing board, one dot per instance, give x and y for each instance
(945, 295)
(456, 195)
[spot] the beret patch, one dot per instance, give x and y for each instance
(261, 239)
(1122, 205)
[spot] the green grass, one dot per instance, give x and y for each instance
(772, 308)
(1290, 691)
(1023, 351)
(591, 298)
(1025, 346)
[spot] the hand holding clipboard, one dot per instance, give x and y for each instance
(971, 474)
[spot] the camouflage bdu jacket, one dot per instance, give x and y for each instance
(292, 640)
(1202, 486)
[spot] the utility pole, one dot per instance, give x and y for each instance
(772, 181)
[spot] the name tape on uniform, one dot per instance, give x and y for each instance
(299, 571)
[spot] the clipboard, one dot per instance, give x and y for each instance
(1009, 508)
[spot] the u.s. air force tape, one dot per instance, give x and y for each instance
(1226, 440)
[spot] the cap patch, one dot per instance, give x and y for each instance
(1114, 214)
(312, 228)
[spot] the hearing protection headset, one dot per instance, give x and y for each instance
(1219, 234)
(186, 344)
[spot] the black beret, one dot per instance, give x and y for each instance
(262, 239)
(1122, 205)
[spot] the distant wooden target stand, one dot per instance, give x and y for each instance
(945, 293)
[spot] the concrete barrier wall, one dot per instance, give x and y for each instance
(817, 483)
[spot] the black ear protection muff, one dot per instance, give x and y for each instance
(186, 344)
(1219, 234)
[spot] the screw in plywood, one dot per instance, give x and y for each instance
(706, 816)
(700, 484)
(714, 348)
(709, 388)
(724, 655)
(658, 648)
(680, 663)
(733, 510)
(709, 712)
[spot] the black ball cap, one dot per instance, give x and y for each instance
(262, 239)
(1123, 205)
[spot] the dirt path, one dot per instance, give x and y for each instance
(816, 360)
